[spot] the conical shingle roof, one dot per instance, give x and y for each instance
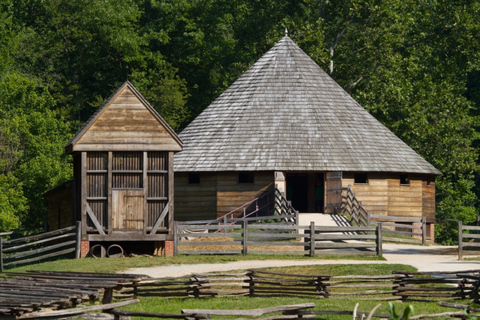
(286, 114)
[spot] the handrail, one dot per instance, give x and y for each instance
(225, 218)
(355, 209)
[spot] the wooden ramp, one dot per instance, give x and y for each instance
(323, 219)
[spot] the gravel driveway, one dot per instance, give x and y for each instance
(424, 258)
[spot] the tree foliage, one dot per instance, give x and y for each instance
(415, 65)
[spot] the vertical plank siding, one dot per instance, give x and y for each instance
(157, 187)
(137, 196)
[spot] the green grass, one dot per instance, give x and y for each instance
(111, 265)
(175, 305)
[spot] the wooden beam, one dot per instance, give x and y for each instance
(171, 188)
(160, 219)
(83, 192)
(94, 220)
(57, 313)
(109, 192)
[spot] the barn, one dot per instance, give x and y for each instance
(285, 124)
(122, 190)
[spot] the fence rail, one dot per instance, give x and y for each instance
(399, 286)
(395, 228)
(38, 247)
(468, 243)
(275, 238)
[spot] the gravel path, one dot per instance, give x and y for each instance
(424, 258)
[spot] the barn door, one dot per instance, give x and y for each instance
(334, 192)
(127, 210)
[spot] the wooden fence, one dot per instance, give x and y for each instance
(398, 286)
(38, 247)
(401, 229)
(276, 238)
(468, 240)
(396, 228)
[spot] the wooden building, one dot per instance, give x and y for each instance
(286, 123)
(123, 174)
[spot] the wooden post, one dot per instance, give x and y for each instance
(1, 254)
(424, 230)
(175, 239)
(312, 239)
(78, 233)
(379, 239)
(368, 218)
(245, 237)
(460, 239)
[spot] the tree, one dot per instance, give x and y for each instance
(31, 147)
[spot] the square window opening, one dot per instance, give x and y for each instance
(361, 178)
(404, 180)
(193, 178)
(245, 177)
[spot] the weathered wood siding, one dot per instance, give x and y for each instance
(231, 194)
(125, 124)
(405, 200)
(60, 207)
(373, 195)
(429, 199)
(195, 201)
(333, 189)
(384, 195)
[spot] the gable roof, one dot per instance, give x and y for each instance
(286, 114)
(125, 122)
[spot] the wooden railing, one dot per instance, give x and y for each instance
(283, 207)
(354, 209)
(276, 238)
(396, 228)
(468, 243)
(401, 229)
(38, 247)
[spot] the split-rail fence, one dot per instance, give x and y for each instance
(38, 247)
(398, 286)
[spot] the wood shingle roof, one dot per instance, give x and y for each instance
(125, 122)
(286, 114)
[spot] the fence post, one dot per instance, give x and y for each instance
(379, 239)
(424, 230)
(460, 240)
(312, 238)
(1, 254)
(245, 237)
(368, 218)
(175, 239)
(78, 245)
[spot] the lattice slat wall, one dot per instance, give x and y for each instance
(127, 173)
(157, 189)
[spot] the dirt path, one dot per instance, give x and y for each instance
(424, 258)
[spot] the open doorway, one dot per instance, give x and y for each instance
(297, 190)
(306, 191)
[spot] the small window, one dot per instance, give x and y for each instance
(193, 178)
(404, 180)
(245, 177)
(361, 178)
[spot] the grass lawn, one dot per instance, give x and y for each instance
(175, 305)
